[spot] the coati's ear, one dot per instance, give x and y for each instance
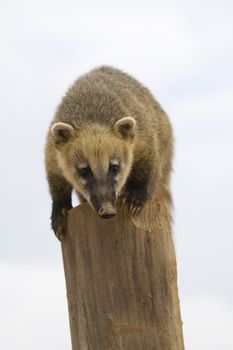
(62, 132)
(125, 127)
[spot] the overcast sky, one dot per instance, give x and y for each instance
(181, 50)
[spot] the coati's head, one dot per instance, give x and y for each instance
(96, 160)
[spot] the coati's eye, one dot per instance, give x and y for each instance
(84, 172)
(114, 168)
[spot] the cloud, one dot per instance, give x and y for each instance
(183, 52)
(208, 324)
(34, 312)
(166, 42)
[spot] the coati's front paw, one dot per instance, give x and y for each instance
(135, 199)
(58, 218)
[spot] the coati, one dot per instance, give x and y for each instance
(109, 141)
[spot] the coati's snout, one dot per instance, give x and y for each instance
(103, 200)
(107, 211)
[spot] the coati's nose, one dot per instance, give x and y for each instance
(107, 212)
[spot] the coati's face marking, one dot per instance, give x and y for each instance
(96, 160)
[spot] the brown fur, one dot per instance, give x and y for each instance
(92, 106)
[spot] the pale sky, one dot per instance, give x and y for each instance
(181, 50)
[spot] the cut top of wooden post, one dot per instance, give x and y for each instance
(121, 281)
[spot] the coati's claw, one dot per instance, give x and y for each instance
(59, 223)
(135, 209)
(135, 199)
(132, 209)
(59, 233)
(123, 202)
(138, 210)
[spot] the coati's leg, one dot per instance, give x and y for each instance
(143, 182)
(60, 191)
(136, 189)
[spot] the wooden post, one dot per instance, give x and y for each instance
(121, 280)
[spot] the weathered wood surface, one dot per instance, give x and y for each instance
(121, 281)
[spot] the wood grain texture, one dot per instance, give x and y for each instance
(121, 281)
